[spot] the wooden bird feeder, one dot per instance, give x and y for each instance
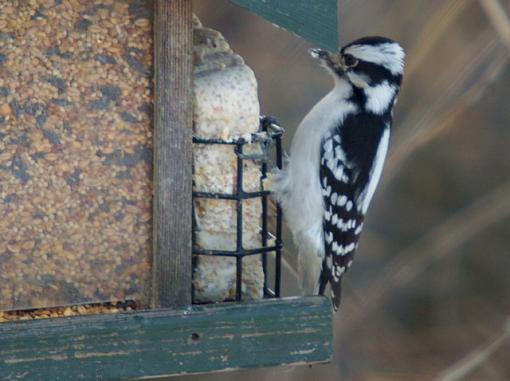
(96, 192)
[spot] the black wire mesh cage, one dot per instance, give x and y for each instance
(269, 138)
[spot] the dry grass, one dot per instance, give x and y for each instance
(421, 128)
(475, 359)
(441, 119)
(499, 19)
(433, 31)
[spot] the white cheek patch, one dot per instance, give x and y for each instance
(380, 97)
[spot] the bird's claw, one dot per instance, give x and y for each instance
(270, 124)
(269, 129)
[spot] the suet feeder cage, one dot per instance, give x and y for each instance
(131, 179)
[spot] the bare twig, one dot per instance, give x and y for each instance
(437, 118)
(433, 30)
(438, 122)
(439, 242)
(499, 18)
(474, 359)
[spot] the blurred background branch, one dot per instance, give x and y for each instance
(433, 31)
(438, 118)
(499, 18)
(434, 245)
(483, 54)
(461, 369)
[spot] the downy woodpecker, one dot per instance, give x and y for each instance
(336, 159)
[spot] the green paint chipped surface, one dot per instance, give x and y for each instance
(197, 339)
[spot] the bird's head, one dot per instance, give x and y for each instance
(366, 62)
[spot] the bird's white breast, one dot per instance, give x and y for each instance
(305, 205)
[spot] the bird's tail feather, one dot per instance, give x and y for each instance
(336, 295)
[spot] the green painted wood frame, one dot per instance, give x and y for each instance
(165, 342)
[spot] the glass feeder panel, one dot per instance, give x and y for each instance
(75, 151)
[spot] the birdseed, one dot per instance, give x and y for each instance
(75, 310)
(75, 152)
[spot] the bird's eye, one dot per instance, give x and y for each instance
(350, 61)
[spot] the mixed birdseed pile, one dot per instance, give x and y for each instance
(85, 309)
(75, 151)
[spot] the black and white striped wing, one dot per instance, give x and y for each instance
(343, 219)
(352, 157)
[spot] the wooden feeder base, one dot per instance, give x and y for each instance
(196, 339)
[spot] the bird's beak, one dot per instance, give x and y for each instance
(332, 61)
(319, 53)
